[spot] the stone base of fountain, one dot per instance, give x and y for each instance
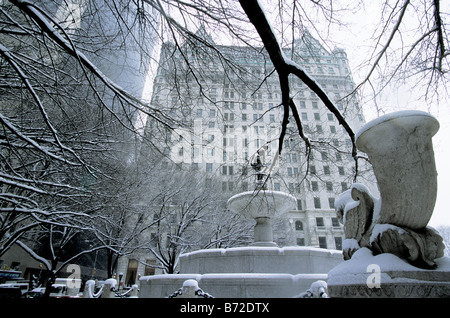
(247, 272)
(388, 276)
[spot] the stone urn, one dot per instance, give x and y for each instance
(262, 206)
(400, 149)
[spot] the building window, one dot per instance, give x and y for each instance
(326, 170)
(209, 167)
(319, 129)
(276, 186)
(300, 241)
(322, 242)
(150, 267)
(319, 222)
(298, 225)
(331, 203)
(335, 222)
(291, 187)
(299, 205)
(289, 171)
(314, 186)
(317, 204)
(329, 186)
(338, 242)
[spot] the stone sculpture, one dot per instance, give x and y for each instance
(400, 150)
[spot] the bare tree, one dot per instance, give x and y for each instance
(62, 116)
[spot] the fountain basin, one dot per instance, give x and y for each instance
(247, 272)
(262, 204)
(256, 259)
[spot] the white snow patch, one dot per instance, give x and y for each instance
(361, 188)
(355, 270)
(387, 117)
(379, 229)
(190, 283)
(111, 281)
(350, 244)
(343, 199)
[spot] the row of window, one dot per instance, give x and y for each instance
(323, 242)
(320, 223)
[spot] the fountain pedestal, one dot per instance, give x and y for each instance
(262, 206)
(263, 234)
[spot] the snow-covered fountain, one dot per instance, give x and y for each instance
(260, 270)
(389, 249)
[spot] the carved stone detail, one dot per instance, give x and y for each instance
(400, 149)
(397, 290)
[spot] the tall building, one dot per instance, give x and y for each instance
(229, 98)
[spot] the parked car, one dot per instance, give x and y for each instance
(23, 287)
(10, 292)
(35, 293)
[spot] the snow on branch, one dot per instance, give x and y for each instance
(44, 21)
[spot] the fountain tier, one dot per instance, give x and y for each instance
(262, 205)
(247, 272)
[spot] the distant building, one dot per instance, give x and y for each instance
(229, 113)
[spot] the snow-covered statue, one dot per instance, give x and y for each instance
(400, 150)
(258, 163)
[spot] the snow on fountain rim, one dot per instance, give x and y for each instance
(263, 249)
(391, 116)
(250, 203)
(257, 277)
